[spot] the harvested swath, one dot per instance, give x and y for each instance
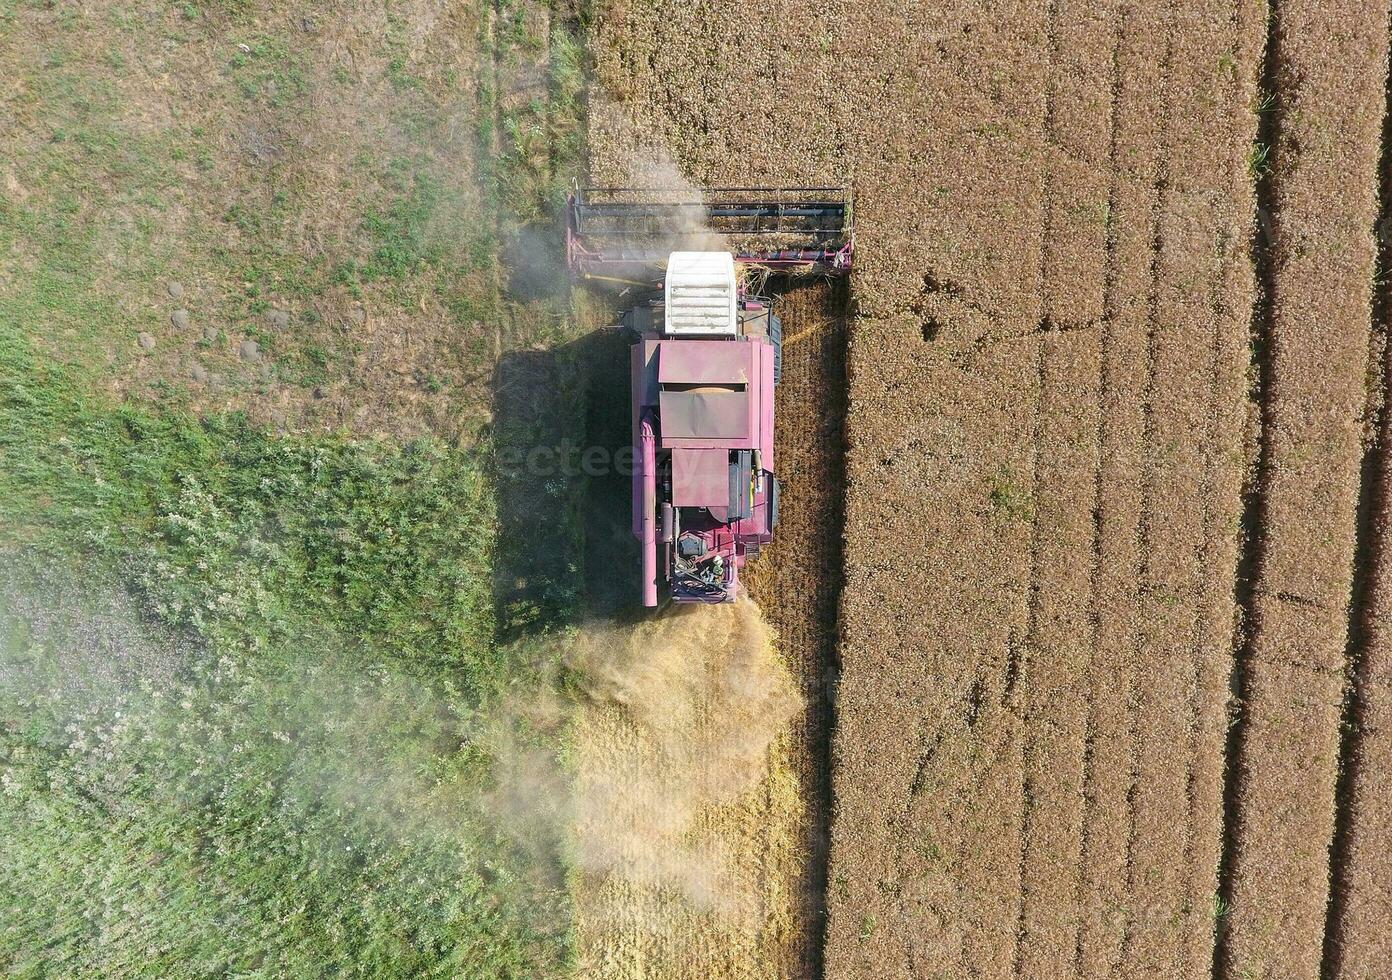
(1184, 529)
(686, 805)
(1330, 71)
(925, 874)
(797, 580)
(1054, 683)
(1190, 471)
(1360, 940)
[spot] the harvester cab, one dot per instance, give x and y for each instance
(706, 359)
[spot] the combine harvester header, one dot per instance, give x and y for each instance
(626, 233)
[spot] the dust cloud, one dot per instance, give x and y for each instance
(680, 229)
(661, 724)
(648, 166)
(681, 714)
(669, 725)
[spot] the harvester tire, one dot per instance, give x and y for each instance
(775, 335)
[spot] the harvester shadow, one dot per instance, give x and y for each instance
(567, 555)
(562, 461)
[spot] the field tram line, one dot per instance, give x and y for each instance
(1210, 611)
(1370, 577)
(1159, 192)
(1194, 346)
(1109, 284)
(1180, 342)
(1253, 518)
(1278, 916)
(1369, 570)
(1065, 547)
(1169, 529)
(1122, 369)
(1033, 585)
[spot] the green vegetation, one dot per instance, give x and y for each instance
(1220, 909)
(308, 760)
(354, 534)
(1227, 64)
(267, 69)
(1010, 502)
(251, 679)
(400, 235)
(1259, 161)
(541, 137)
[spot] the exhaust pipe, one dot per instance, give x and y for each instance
(649, 515)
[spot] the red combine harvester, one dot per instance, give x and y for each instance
(707, 357)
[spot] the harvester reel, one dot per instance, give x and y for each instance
(623, 235)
